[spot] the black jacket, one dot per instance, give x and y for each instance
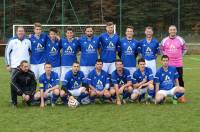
(23, 82)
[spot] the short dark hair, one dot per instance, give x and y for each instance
(23, 61)
(131, 27)
(88, 27)
(149, 27)
(19, 27)
(53, 29)
(99, 60)
(68, 29)
(47, 63)
(118, 60)
(37, 24)
(141, 60)
(109, 24)
(164, 56)
(75, 62)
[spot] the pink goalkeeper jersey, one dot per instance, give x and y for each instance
(174, 48)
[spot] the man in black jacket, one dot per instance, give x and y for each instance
(23, 83)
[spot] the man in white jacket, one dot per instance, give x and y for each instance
(18, 49)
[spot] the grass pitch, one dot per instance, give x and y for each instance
(106, 117)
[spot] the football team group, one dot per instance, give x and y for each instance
(109, 70)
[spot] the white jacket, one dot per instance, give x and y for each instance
(16, 51)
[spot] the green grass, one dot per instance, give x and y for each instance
(106, 117)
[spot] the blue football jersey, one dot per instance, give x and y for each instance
(38, 46)
(72, 82)
(149, 50)
(128, 49)
(69, 50)
(89, 50)
(120, 79)
(109, 46)
(138, 76)
(53, 52)
(45, 83)
(98, 81)
(166, 79)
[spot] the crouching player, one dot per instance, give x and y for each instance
(72, 86)
(143, 82)
(98, 82)
(167, 83)
(23, 83)
(49, 86)
(121, 80)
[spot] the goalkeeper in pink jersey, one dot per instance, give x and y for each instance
(174, 47)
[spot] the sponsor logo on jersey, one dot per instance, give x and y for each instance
(148, 51)
(110, 46)
(76, 85)
(172, 48)
(90, 49)
(99, 85)
(69, 50)
(39, 48)
(53, 51)
(129, 51)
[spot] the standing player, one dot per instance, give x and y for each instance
(174, 47)
(99, 82)
(49, 86)
(38, 44)
(17, 50)
(53, 50)
(109, 44)
(129, 49)
(143, 82)
(72, 86)
(89, 45)
(149, 48)
(121, 80)
(167, 83)
(69, 47)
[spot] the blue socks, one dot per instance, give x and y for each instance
(178, 95)
(54, 98)
(64, 99)
(151, 93)
(83, 95)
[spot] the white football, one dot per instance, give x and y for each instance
(73, 103)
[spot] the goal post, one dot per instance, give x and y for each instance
(78, 29)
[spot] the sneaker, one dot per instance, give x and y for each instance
(124, 101)
(182, 99)
(119, 102)
(53, 105)
(175, 101)
(13, 105)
